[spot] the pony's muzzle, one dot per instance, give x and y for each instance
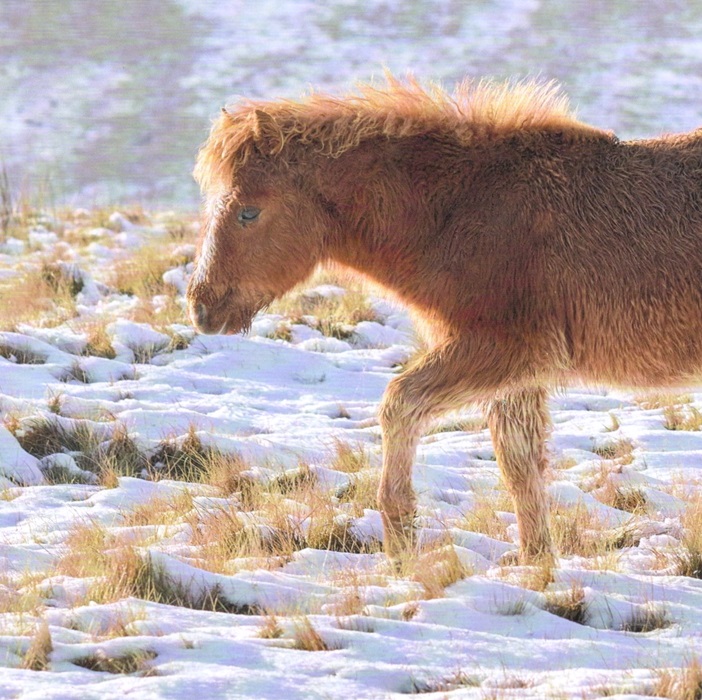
(200, 315)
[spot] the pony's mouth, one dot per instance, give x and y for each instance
(225, 318)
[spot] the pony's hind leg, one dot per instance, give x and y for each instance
(443, 379)
(519, 423)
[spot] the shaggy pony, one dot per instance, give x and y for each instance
(534, 251)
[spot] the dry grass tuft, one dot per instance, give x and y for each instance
(294, 480)
(46, 436)
(682, 418)
(455, 681)
(125, 573)
(614, 423)
(512, 608)
(647, 618)
(680, 683)
(160, 511)
(270, 628)
(188, 459)
(355, 623)
(435, 570)
(30, 298)
(334, 316)
(578, 531)
(349, 459)
(409, 612)
(83, 551)
(141, 274)
(563, 463)
(615, 449)
(361, 492)
(22, 595)
(630, 499)
(36, 658)
(306, 637)
(570, 605)
(331, 530)
(226, 545)
(108, 459)
(661, 400)
(63, 280)
(689, 559)
(470, 424)
(483, 518)
(136, 661)
(99, 343)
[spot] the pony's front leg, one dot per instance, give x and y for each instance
(424, 390)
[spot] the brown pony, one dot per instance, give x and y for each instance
(534, 250)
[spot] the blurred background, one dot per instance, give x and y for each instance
(105, 101)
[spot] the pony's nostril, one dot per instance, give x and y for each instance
(200, 314)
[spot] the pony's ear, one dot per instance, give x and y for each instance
(267, 133)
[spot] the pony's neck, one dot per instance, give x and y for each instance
(387, 211)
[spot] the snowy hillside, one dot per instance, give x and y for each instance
(183, 514)
(110, 100)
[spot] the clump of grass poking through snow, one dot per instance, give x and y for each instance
(580, 532)
(455, 681)
(435, 570)
(123, 572)
(188, 459)
(614, 449)
(270, 628)
(647, 618)
(689, 558)
(682, 418)
(570, 604)
(307, 638)
(626, 498)
(135, 661)
(334, 315)
(483, 517)
(679, 683)
(361, 492)
(46, 436)
(349, 459)
(36, 658)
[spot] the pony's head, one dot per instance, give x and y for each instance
(264, 227)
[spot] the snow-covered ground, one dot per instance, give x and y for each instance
(307, 619)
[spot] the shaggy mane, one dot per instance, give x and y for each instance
(334, 125)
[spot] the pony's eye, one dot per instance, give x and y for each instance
(248, 214)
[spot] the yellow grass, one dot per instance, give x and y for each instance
(680, 683)
(661, 400)
(483, 517)
(30, 298)
(307, 638)
(36, 658)
(136, 661)
(682, 418)
(577, 531)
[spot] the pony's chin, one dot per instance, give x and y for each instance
(238, 323)
(227, 321)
